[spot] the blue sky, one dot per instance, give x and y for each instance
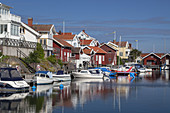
(147, 21)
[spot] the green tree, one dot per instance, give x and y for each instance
(118, 60)
(52, 59)
(60, 62)
(34, 57)
(134, 54)
(39, 51)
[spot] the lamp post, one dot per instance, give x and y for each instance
(136, 44)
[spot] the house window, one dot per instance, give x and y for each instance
(121, 53)
(64, 53)
(22, 30)
(109, 51)
(96, 58)
(110, 59)
(126, 53)
(149, 62)
(40, 41)
(14, 30)
(74, 44)
(103, 58)
(45, 43)
(3, 28)
(151, 56)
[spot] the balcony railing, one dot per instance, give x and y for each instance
(11, 17)
(18, 43)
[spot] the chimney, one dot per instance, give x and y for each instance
(83, 30)
(30, 21)
(114, 41)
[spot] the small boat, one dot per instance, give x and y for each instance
(11, 81)
(105, 70)
(90, 73)
(43, 77)
(60, 76)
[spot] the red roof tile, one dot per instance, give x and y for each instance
(85, 42)
(122, 44)
(64, 37)
(97, 49)
(64, 43)
(42, 27)
(87, 51)
(85, 32)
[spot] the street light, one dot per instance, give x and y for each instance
(136, 44)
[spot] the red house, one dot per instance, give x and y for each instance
(76, 53)
(165, 59)
(111, 56)
(62, 49)
(97, 55)
(151, 58)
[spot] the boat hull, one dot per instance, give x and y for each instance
(80, 75)
(14, 86)
(43, 81)
(58, 78)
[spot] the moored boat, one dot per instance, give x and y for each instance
(90, 73)
(43, 77)
(11, 81)
(60, 76)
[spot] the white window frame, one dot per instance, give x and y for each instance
(96, 57)
(103, 57)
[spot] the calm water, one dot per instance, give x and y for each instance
(149, 93)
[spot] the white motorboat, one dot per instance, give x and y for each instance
(90, 73)
(10, 80)
(43, 77)
(60, 76)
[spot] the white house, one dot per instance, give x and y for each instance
(69, 38)
(85, 36)
(9, 23)
(47, 32)
(14, 34)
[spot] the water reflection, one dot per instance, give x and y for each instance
(80, 93)
(10, 102)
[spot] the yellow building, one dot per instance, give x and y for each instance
(123, 48)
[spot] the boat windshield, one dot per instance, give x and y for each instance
(138, 66)
(9, 74)
(94, 71)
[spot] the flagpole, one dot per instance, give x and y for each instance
(119, 49)
(115, 35)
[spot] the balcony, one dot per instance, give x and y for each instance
(10, 17)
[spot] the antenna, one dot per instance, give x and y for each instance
(63, 27)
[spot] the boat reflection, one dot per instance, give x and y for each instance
(81, 91)
(165, 75)
(10, 102)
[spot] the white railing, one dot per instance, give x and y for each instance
(15, 18)
(10, 17)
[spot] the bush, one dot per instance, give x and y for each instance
(60, 62)
(52, 59)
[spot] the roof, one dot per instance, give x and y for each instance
(62, 42)
(42, 27)
(122, 44)
(85, 32)
(97, 49)
(159, 55)
(108, 46)
(64, 37)
(87, 51)
(30, 29)
(76, 50)
(85, 42)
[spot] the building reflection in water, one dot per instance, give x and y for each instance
(75, 94)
